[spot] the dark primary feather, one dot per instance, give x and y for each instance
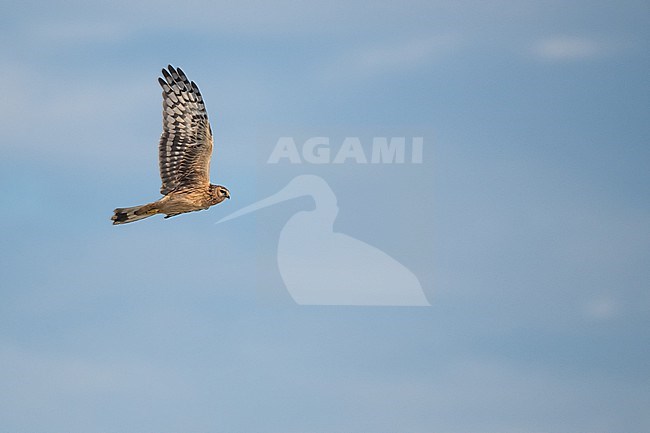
(186, 142)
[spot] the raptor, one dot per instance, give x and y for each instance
(184, 154)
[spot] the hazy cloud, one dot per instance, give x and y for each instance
(393, 56)
(564, 48)
(602, 308)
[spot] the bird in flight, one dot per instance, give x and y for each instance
(184, 154)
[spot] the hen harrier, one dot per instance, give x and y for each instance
(183, 154)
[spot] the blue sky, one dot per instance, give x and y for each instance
(527, 224)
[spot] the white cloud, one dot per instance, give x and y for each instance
(393, 57)
(71, 116)
(76, 32)
(407, 54)
(564, 48)
(602, 308)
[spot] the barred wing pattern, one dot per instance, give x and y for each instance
(186, 142)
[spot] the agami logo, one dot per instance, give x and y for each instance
(319, 150)
(323, 267)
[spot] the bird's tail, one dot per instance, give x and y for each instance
(135, 213)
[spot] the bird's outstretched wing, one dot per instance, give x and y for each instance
(186, 142)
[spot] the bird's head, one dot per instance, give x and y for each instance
(219, 193)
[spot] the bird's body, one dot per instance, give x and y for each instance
(174, 203)
(184, 154)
